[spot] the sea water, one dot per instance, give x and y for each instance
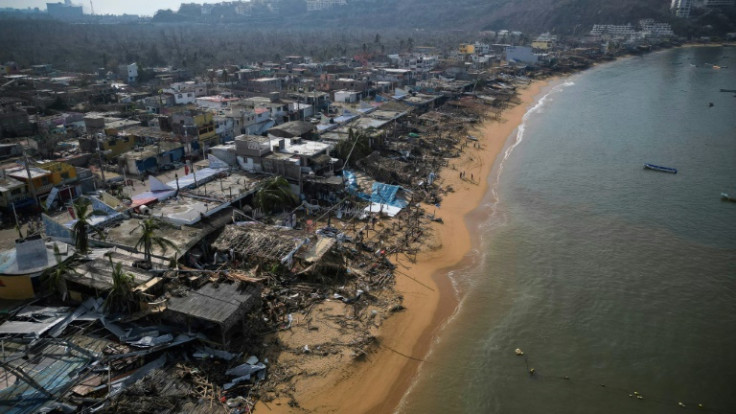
(618, 283)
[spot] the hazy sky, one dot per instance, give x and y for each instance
(142, 7)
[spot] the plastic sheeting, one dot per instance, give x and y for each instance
(386, 194)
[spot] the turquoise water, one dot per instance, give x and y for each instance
(611, 278)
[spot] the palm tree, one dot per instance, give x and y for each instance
(55, 280)
(121, 298)
(82, 227)
(274, 192)
(149, 237)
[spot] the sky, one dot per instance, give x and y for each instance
(141, 7)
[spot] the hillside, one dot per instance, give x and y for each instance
(468, 15)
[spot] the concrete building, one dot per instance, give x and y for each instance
(214, 102)
(681, 8)
(128, 73)
(12, 191)
(251, 149)
(64, 11)
(347, 96)
(545, 41)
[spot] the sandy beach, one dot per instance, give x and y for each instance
(377, 384)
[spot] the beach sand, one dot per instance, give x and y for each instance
(378, 384)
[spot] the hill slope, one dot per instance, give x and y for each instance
(467, 15)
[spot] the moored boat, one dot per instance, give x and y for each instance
(660, 168)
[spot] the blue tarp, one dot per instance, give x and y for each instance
(56, 231)
(386, 194)
(102, 220)
(381, 193)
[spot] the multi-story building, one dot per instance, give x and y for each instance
(61, 172)
(12, 192)
(650, 28)
(197, 129)
(681, 8)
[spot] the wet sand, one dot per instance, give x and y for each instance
(378, 384)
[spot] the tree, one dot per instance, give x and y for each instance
(55, 277)
(121, 298)
(149, 227)
(356, 147)
(82, 227)
(274, 192)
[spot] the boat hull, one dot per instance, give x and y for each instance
(660, 168)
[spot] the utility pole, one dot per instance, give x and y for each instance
(31, 185)
(99, 156)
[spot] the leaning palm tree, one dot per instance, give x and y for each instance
(121, 298)
(274, 193)
(81, 228)
(149, 237)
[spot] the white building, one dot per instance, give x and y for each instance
(315, 5)
(186, 93)
(650, 28)
(681, 8)
(613, 31)
(347, 96)
(184, 98)
(128, 73)
(214, 102)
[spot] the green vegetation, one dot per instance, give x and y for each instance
(55, 280)
(149, 237)
(356, 147)
(274, 193)
(121, 298)
(82, 227)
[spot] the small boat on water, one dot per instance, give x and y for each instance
(660, 168)
(726, 197)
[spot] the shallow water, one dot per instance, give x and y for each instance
(611, 278)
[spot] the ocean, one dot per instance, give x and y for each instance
(618, 283)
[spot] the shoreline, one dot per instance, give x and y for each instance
(379, 384)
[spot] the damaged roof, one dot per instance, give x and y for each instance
(259, 240)
(215, 302)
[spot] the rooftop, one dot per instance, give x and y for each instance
(215, 303)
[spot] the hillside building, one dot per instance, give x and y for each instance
(681, 8)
